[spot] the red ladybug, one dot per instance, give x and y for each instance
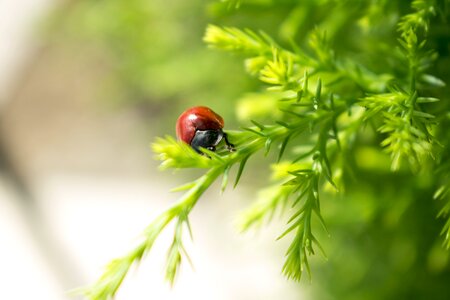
(199, 127)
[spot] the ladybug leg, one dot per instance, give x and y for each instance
(230, 146)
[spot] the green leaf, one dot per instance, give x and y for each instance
(254, 131)
(267, 146)
(432, 80)
(241, 169)
(283, 147)
(183, 187)
(259, 125)
(427, 100)
(225, 178)
(422, 114)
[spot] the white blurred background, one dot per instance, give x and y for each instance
(78, 184)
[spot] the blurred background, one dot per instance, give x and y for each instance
(85, 86)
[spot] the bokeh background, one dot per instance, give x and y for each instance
(85, 86)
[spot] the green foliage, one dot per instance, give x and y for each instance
(152, 52)
(341, 107)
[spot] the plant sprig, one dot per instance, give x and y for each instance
(176, 154)
(325, 101)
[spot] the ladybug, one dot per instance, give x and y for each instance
(200, 126)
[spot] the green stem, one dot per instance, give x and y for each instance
(189, 199)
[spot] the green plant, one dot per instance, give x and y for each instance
(145, 64)
(340, 106)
